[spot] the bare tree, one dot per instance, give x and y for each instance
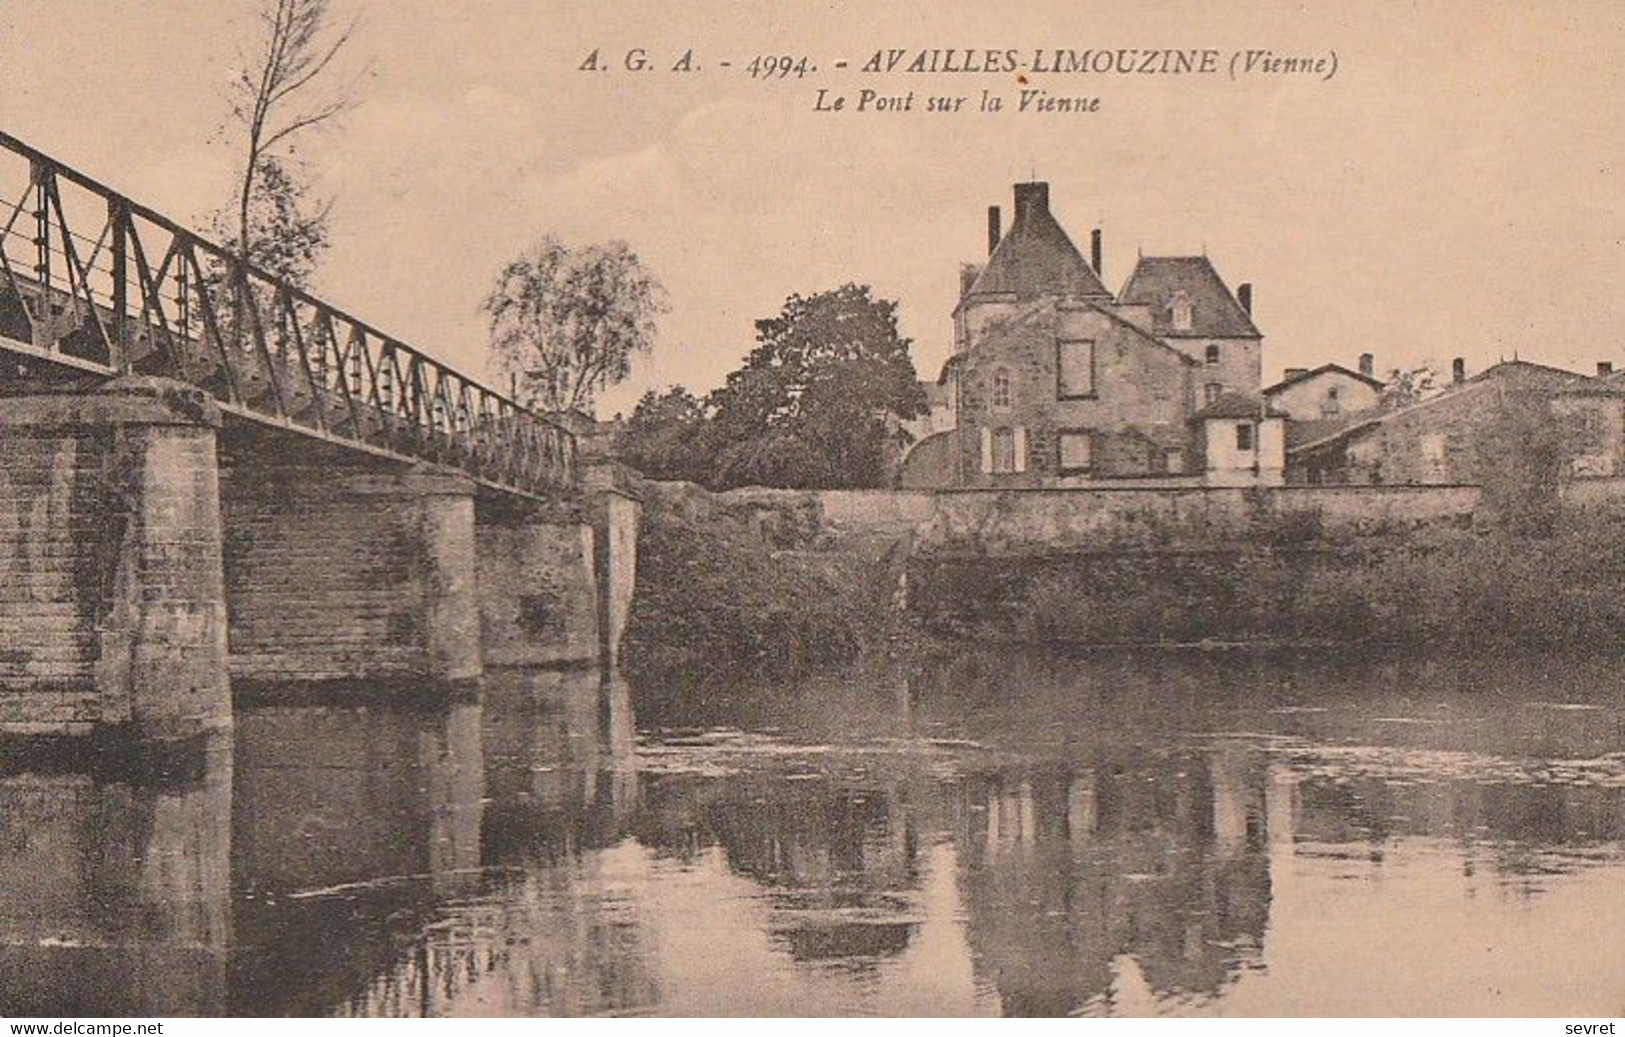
(281, 90)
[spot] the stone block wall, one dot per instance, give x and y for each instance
(1046, 521)
(111, 596)
(619, 560)
(49, 560)
(1135, 417)
(344, 575)
(538, 593)
(163, 635)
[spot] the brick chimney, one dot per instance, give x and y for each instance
(968, 273)
(1368, 365)
(993, 228)
(1095, 250)
(1458, 370)
(1604, 368)
(1032, 199)
(1244, 295)
(1293, 372)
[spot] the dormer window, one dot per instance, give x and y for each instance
(1184, 312)
(1001, 389)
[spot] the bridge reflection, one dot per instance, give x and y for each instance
(115, 890)
(524, 854)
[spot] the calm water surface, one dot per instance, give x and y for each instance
(994, 834)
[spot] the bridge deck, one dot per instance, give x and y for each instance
(93, 285)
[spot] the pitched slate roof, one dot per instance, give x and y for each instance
(1316, 430)
(1528, 371)
(1035, 257)
(1157, 280)
(1304, 376)
(1237, 405)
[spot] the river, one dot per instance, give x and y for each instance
(997, 833)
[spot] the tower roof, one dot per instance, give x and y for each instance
(1157, 281)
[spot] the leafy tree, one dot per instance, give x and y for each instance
(565, 322)
(1407, 387)
(285, 235)
(1520, 463)
(781, 457)
(666, 436)
(817, 402)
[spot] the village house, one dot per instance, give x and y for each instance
(1056, 382)
(1454, 437)
(1328, 392)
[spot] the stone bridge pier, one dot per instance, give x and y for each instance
(339, 570)
(153, 563)
(112, 598)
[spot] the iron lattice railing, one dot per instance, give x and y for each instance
(112, 286)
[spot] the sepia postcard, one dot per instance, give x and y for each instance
(519, 508)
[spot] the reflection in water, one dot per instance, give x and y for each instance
(993, 833)
(114, 895)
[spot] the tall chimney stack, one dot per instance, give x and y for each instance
(1458, 370)
(1605, 368)
(994, 231)
(1032, 199)
(1244, 295)
(1368, 365)
(1095, 251)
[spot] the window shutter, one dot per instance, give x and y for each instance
(1021, 448)
(987, 450)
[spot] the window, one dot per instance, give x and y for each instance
(1004, 450)
(1433, 445)
(1001, 389)
(1074, 368)
(1212, 354)
(1212, 391)
(1184, 313)
(1244, 436)
(1173, 461)
(1331, 406)
(1076, 452)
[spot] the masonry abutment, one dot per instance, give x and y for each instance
(538, 586)
(111, 585)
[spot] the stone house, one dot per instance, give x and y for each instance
(1241, 441)
(1057, 382)
(1060, 392)
(1326, 393)
(1189, 307)
(1452, 438)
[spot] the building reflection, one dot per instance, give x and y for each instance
(1061, 836)
(1160, 856)
(114, 888)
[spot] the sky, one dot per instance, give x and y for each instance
(1455, 190)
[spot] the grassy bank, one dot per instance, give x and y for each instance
(1459, 589)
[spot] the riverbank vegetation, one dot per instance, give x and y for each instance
(1452, 589)
(724, 586)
